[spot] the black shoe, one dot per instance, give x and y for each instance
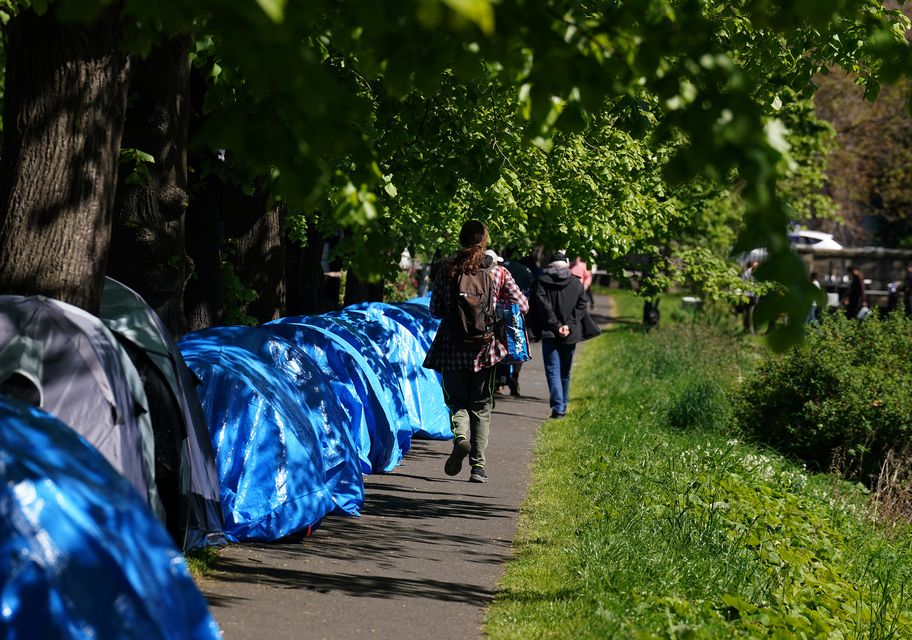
(514, 391)
(453, 464)
(478, 475)
(555, 415)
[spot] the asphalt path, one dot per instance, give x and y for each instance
(422, 561)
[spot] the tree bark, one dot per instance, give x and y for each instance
(64, 105)
(202, 294)
(147, 243)
(255, 237)
(357, 290)
(309, 289)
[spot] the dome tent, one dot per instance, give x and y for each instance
(406, 317)
(385, 371)
(420, 387)
(66, 362)
(372, 421)
(185, 466)
(284, 457)
(80, 553)
(422, 315)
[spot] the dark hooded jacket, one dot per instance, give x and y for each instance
(558, 299)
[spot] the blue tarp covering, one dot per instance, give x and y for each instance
(81, 555)
(398, 335)
(422, 314)
(386, 372)
(424, 301)
(372, 420)
(410, 318)
(285, 457)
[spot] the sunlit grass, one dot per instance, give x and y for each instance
(642, 525)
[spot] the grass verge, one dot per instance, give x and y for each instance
(200, 562)
(647, 519)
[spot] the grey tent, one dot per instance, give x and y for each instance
(185, 470)
(65, 361)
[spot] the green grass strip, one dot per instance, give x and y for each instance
(636, 529)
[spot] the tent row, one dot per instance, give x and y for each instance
(106, 435)
(299, 408)
(119, 381)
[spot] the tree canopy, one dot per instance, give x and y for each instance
(651, 128)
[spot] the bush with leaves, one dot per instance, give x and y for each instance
(846, 392)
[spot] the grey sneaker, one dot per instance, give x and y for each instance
(453, 464)
(478, 475)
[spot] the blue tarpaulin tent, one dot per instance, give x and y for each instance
(422, 314)
(420, 387)
(81, 554)
(285, 457)
(372, 420)
(394, 334)
(386, 372)
(409, 318)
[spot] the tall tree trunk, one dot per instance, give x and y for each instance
(357, 290)
(64, 105)
(202, 295)
(255, 236)
(309, 289)
(147, 241)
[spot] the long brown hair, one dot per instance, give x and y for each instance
(473, 238)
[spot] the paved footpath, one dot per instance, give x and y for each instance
(422, 560)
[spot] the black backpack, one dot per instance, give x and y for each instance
(472, 312)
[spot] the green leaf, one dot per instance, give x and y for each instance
(275, 9)
(478, 11)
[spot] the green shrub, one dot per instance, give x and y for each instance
(847, 389)
(401, 288)
(702, 405)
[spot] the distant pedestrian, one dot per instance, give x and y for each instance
(466, 349)
(812, 312)
(907, 289)
(522, 275)
(855, 300)
(506, 374)
(558, 305)
(580, 270)
(750, 306)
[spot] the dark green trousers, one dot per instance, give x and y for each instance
(470, 397)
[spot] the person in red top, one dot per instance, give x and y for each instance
(467, 371)
(581, 271)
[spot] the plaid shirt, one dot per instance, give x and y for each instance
(446, 353)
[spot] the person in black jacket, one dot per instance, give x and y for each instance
(907, 289)
(557, 307)
(855, 299)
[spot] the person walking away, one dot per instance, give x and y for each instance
(558, 304)
(465, 349)
(581, 271)
(503, 371)
(522, 275)
(812, 312)
(748, 276)
(525, 281)
(907, 289)
(855, 299)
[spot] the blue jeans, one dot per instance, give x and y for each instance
(557, 358)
